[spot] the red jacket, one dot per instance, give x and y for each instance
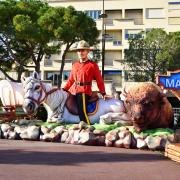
(84, 73)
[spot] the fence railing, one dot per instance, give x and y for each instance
(176, 114)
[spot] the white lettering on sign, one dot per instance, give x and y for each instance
(171, 83)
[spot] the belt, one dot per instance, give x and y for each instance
(83, 83)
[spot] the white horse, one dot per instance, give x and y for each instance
(54, 100)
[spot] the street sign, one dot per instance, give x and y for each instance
(170, 81)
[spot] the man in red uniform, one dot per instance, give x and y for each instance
(80, 80)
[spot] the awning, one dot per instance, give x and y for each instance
(112, 72)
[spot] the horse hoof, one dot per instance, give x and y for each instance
(57, 120)
(60, 121)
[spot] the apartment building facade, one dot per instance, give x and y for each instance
(125, 18)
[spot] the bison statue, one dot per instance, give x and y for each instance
(147, 106)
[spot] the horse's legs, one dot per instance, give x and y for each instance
(111, 117)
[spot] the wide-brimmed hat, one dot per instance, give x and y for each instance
(82, 45)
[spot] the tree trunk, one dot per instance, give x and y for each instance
(19, 72)
(153, 78)
(37, 67)
(62, 68)
(63, 63)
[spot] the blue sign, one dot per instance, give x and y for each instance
(170, 82)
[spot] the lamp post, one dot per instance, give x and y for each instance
(103, 15)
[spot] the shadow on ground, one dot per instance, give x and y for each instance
(72, 158)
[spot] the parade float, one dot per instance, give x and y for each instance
(171, 82)
(144, 124)
(12, 97)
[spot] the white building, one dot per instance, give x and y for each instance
(125, 18)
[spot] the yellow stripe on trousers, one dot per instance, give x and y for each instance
(84, 109)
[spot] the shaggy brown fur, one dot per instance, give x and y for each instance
(147, 106)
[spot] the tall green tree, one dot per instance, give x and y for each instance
(22, 39)
(174, 49)
(149, 54)
(68, 27)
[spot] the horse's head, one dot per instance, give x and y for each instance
(34, 93)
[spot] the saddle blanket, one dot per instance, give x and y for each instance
(92, 107)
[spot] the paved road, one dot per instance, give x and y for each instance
(32, 160)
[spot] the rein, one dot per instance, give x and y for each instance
(39, 101)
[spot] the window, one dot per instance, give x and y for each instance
(174, 6)
(53, 76)
(48, 61)
(66, 75)
(173, 2)
(133, 33)
(115, 76)
(127, 36)
(94, 14)
(155, 13)
(117, 43)
(113, 35)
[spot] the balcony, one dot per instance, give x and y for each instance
(128, 22)
(156, 22)
(113, 24)
(173, 13)
(57, 62)
(118, 63)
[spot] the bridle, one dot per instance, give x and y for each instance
(43, 90)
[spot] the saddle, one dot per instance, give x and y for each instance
(71, 104)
